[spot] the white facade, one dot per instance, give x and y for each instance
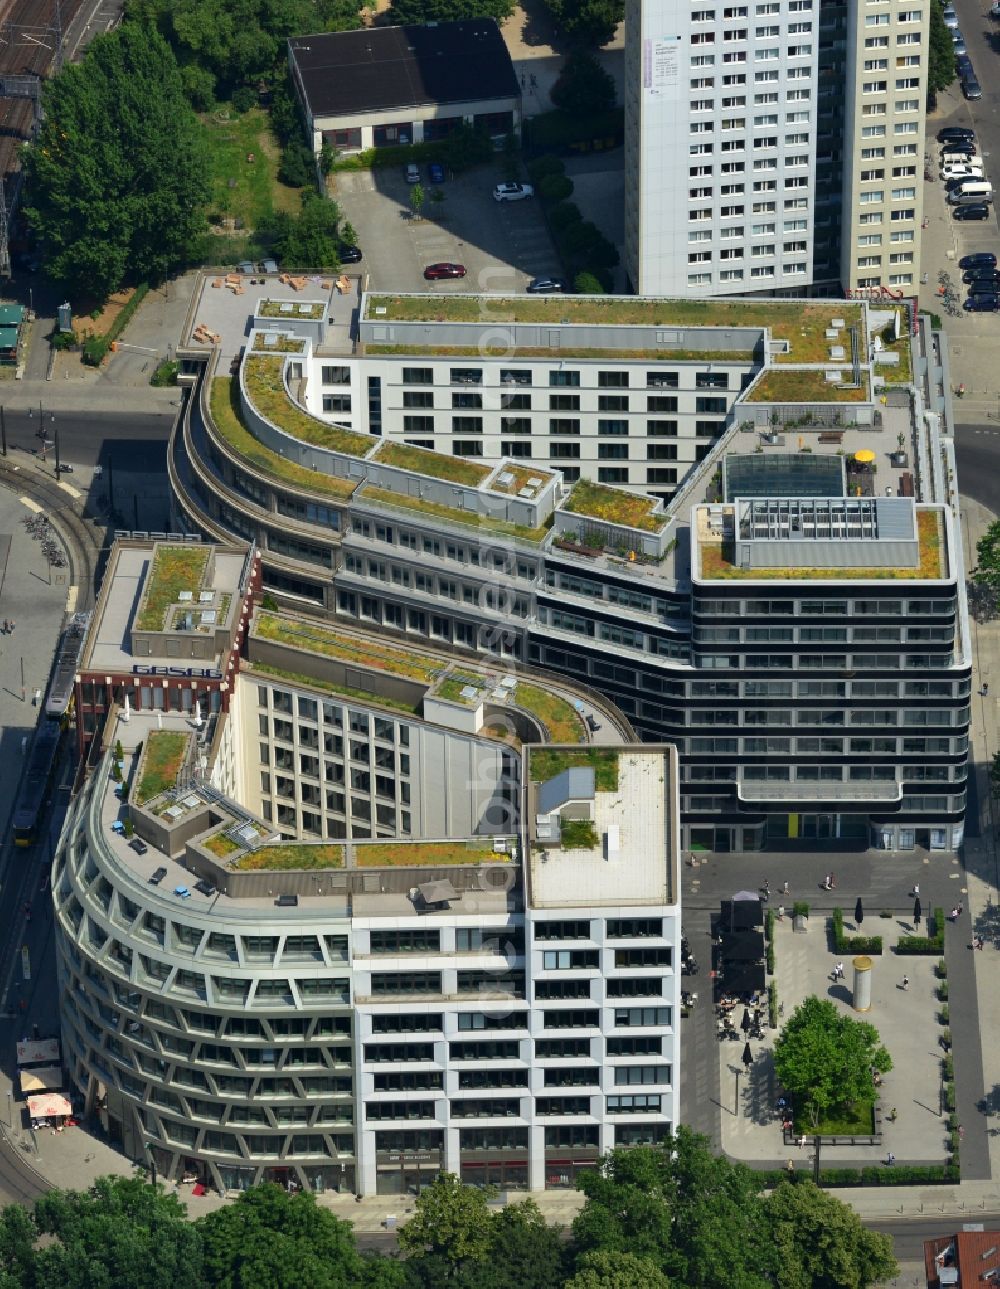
(720, 128)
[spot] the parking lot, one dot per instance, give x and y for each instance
(502, 245)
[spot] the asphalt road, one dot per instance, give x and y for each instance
(85, 438)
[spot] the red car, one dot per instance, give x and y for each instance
(434, 271)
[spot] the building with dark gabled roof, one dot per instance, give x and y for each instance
(384, 86)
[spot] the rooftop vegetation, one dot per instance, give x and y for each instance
(174, 569)
(161, 763)
(547, 762)
(561, 722)
(807, 386)
(334, 644)
(520, 476)
(221, 845)
(437, 464)
(577, 834)
(662, 354)
(450, 689)
(265, 387)
(615, 506)
(291, 309)
(451, 515)
(424, 854)
(224, 407)
(803, 324)
(294, 855)
(278, 343)
(717, 562)
(328, 686)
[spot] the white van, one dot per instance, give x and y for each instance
(959, 158)
(980, 189)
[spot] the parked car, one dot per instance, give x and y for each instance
(958, 148)
(971, 88)
(982, 274)
(512, 192)
(412, 173)
(545, 285)
(964, 64)
(977, 258)
(592, 723)
(950, 17)
(958, 40)
(955, 132)
(968, 214)
(349, 254)
(966, 171)
(995, 9)
(138, 845)
(434, 271)
(269, 266)
(435, 173)
(982, 303)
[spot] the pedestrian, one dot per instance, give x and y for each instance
(961, 908)
(953, 915)
(891, 1159)
(784, 889)
(978, 942)
(985, 690)
(906, 982)
(891, 1116)
(840, 971)
(802, 1140)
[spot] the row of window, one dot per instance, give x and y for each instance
(511, 378)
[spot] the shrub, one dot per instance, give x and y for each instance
(949, 1096)
(563, 215)
(942, 991)
(941, 969)
(944, 1016)
(770, 957)
(932, 942)
(165, 373)
(62, 339)
(852, 943)
(769, 920)
(128, 827)
(297, 168)
(243, 99)
(95, 350)
(555, 188)
(946, 1039)
(268, 601)
(587, 284)
(772, 1004)
(541, 167)
(800, 909)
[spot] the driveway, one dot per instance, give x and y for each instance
(502, 245)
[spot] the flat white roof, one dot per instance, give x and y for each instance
(638, 867)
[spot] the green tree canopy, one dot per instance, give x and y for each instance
(592, 22)
(118, 176)
(602, 1269)
(122, 1234)
(269, 1239)
(309, 240)
(451, 1221)
(821, 1243)
(583, 86)
(417, 12)
(825, 1059)
(941, 68)
(987, 570)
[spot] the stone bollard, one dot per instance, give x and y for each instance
(862, 983)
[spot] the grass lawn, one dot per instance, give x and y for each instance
(266, 389)
(452, 515)
(319, 639)
(423, 854)
(437, 464)
(546, 763)
(175, 569)
(220, 845)
(558, 717)
(242, 189)
(717, 562)
(450, 689)
(856, 1120)
(777, 386)
(294, 855)
(615, 506)
(162, 760)
(224, 407)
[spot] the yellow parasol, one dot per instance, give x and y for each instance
(866, 456)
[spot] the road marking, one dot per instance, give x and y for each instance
(33, 506)
(68, 487)
(71, 598)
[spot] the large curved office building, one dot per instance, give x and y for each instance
(736, 519)
(340, 914)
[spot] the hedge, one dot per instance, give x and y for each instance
(572, 132)
(852, 943)
(871, 1175)
(800, 909)
(925, 944)
(772, 1004)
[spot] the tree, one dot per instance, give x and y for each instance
(525, 1252)
(310, 240)
(583, 86)
(269, 1239)
(122, 1234)
(587, 284)
(298, 166)
(941, 67)
(592, 22)
(825, 1059)
(987, 570)
(822, 1244)
(451, 1222)
(118, 176)
(602, 1269)
(418, 12)
(417, 198)
(555, 188)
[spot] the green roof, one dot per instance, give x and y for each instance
(8, 337)
(174, 569)
(11, 315)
